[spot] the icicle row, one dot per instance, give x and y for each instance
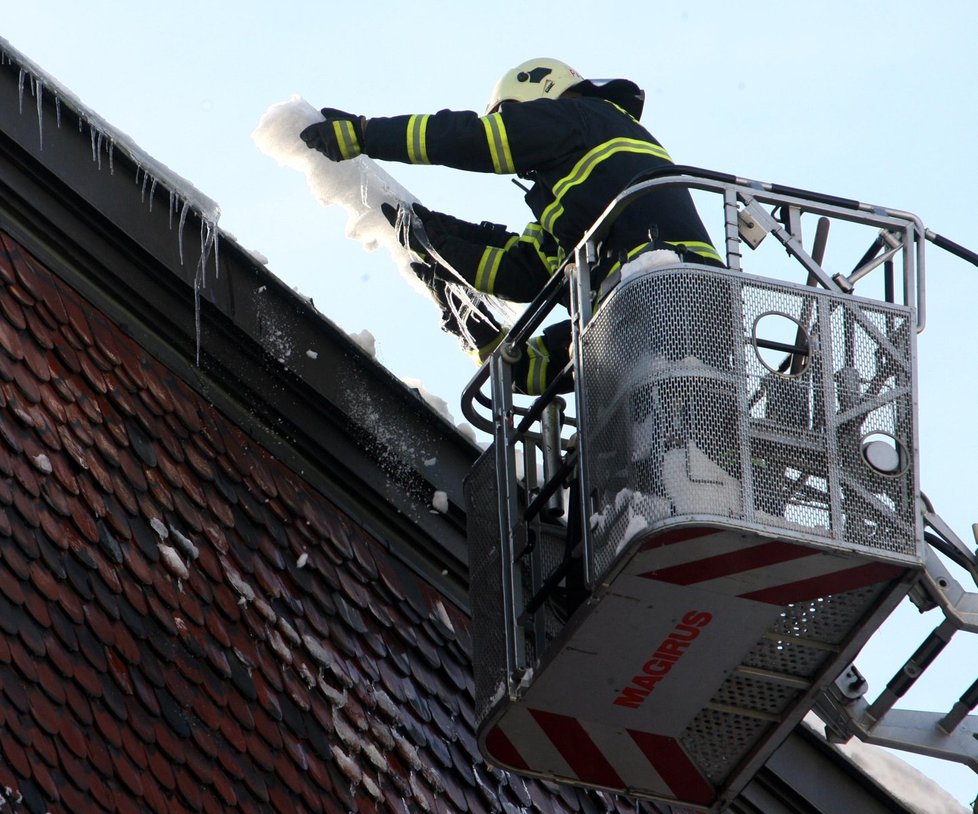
(102, 137)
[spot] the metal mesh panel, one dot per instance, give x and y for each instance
(786, 656)
(828, 619)
(716, 741)
(550, 551)
(485, 581)
(716, 738)
(687, 411)
(754, 694)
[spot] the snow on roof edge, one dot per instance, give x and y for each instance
(207, 208)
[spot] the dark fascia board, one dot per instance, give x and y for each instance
(140, 245)
(809, 774)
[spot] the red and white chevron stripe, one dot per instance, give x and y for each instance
(774, 572)
(614, 706)
(598, 755)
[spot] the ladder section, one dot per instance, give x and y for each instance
(950, 735)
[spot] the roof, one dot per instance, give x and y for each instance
(221, 583)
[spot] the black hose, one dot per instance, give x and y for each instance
(952, 247)
(948, 550)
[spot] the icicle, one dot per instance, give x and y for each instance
(92, 132)
(111, 152)
(364, 187)
(20, 89)
(40, 115)
(152, 193)
(217, 253)
(208, 241)
(197, 314)
(180, 225)
(99, 151)
(57, 110)
(142, 193)
(204, 247)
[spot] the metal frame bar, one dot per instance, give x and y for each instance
(949, 736)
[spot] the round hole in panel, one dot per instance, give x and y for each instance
(781, 343)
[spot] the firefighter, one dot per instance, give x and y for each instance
(577, 142)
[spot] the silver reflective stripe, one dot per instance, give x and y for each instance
(485, 275)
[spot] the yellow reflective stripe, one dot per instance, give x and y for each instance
(485, 274)
(536, 377)
(490, 346)
(585, 166)
(630, 256)
(533, 235)
(417, 145)
(502, 159)
(697, 247)
(346, 138)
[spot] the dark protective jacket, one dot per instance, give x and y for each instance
(578, 152)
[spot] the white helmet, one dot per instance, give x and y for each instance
(535, 79)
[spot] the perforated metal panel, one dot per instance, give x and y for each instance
(485, 581)
(801, 641)
(686, 412)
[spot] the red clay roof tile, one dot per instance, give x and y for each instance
(222, 675)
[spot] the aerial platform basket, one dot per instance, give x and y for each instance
(736, 512)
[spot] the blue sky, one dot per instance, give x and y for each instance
(872, 101)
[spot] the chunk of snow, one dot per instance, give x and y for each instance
(372, 788)
(408, 751)
(245, 591)
(649, 260)
(698, 485)
(359, 186)
(173, 561)
(303, 559)
(438, 404)
(366, 341)
(288, 632)
(279, 646)
(312, 354)
(439, 502)
(347, 765)
(442, 613)
(157, 525)
(636, 525)
(430, 461)
(43, 463)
